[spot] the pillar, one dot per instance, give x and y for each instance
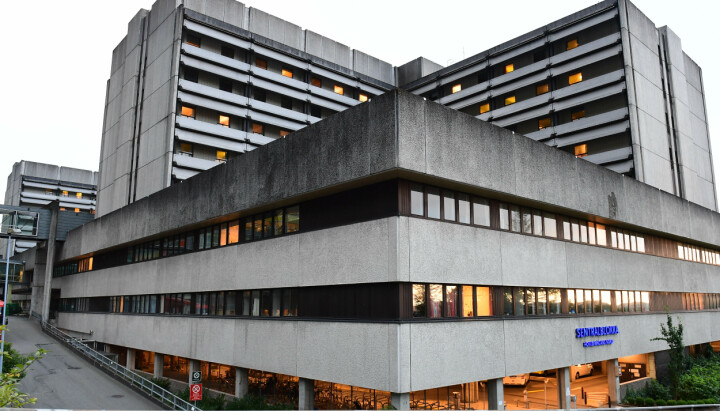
(400, 400)
(130, 359)
(158, 366)
(50, 259)
(306, 394)
(563, 387)
(241, 382)
(613, 381)
(496, 394)
(193, 365)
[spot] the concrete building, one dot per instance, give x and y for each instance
(415, 256)
(197, 82)
(392, 250)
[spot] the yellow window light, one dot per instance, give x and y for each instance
(456, 88)
(510, 100)
(287, 73)
(484, 108)
(363, 98)
(339, 90)
(581, 150)
(509, 68)
(224, 120)
(187, 111)
(575, 78)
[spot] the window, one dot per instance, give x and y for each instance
(481, 212)
(221, 156)
(187, 111)
(192, 40)
(507, 301)
(571, 301)
(339, 90)
(448, 206)
(544, 123)
(77, 210)
(467, 301)
(581, 150)
(550, 225)
(315, 111)
(259, 95)
(571, 44)
(504, 220)
(258, 128)
(483, 301)
(190, 74)
(484, 108)
(292, 219)
(363, 98)
(463, 208)
(228, 52)
(416, 200)
(575, 78)
(509, 68)
(433, 202)
(316, 82)
(78, 195)
(436, 300)
(419, 300)
(456, 88)
(226, 85)
(286, 103)
(542, 89)
(577, 114)
(554, 301)
(224, 120)
(287, 73)
(283, 133)
(509, 100)
(451, 300)
(186, 149)
(261, 63)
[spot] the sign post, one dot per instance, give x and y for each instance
(196, 386)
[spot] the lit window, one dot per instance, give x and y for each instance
(77, 210)
(283, 133)
(575, 78)
(78, 195)
(456, 88)
(542, 89)
(543, 123)
(187, 111)
(316, 82)
(576, 115)
(65, 193)
(192, 40)
(62, 209)
(258, 128)
(484, 108)
(186, 148)
(572, 44)
(224, 120)
(221, 156)
(581, 150)
(261, 63)
(363, 98)
(339, 90)
(287, 73)
(510, 100)
(48, 191)
(509, 68)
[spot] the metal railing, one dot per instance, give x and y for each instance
(166, 397)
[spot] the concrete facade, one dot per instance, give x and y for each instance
(396, 135)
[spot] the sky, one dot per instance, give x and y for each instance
(57, 54)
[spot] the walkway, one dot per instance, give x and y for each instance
(61, 379)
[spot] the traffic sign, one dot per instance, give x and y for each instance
(196, 377)
(196, 392)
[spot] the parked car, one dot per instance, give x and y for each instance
(520, 379)
(581, 370)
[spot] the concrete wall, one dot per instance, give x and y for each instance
(400, 132)
(46, 171)
(414, 70)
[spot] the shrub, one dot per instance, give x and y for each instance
(682, 402)
(649, 402)
(672, 402)
(161, 382)
(660, 402)
(700, 382)
(654, 389)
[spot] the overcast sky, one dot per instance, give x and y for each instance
(56, 55)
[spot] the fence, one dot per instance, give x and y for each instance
(166, 397)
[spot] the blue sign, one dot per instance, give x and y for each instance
(596, 332)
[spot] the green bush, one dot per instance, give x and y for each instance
(700, 382)
(649, 402)
(672, 402)
(654, 389)
(161, 382)
(660, 402)
(12, 359)
(682, 402)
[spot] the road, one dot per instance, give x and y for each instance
(61, 379)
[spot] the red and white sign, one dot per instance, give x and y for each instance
(196, 392)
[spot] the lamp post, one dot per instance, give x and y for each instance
(11, 231)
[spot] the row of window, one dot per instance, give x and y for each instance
(427, 301)
(433, 202)
(269, 224)
(287, 71)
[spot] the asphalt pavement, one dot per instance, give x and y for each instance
(62, 379)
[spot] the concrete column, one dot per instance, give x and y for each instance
(563, 387)
(158, 366)
(50, 259)
(613, 381)
(241, 382)
(651, 370)
(496, 394)
(130, 358)
(400, 400)
(306, 394)
(193, 365)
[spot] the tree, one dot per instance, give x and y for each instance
(673, 336)
(10, 397)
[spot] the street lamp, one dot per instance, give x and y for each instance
(10, 232)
